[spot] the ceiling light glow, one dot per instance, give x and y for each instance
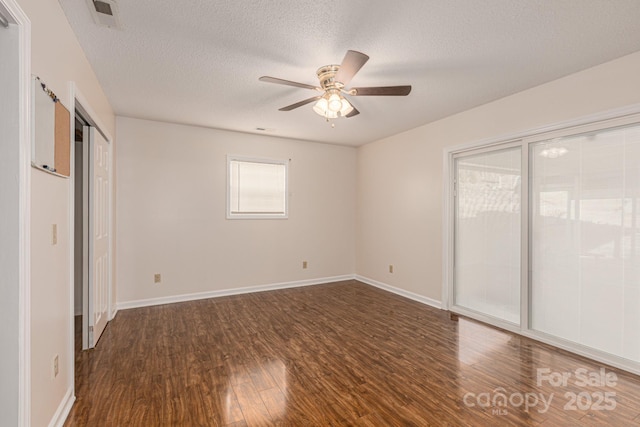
(332, 106)
(335, 103)
(554, 152)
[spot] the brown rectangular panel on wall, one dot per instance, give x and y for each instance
(62, 140)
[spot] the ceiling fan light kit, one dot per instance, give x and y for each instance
(332, 105)
(333, 79)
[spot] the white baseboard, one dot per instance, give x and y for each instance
(420, 298)
(63, 410)
(226, 292)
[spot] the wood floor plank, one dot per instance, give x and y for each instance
(253, 409)
(339, 354)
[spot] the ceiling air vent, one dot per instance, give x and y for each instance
(105, 13)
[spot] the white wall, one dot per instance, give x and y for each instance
(171, 212)
(400, 188)
(57, 58)
(9, 224)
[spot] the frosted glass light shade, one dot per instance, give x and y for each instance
(333, 106)
(335, 103)
(346, 107)
(321, 107)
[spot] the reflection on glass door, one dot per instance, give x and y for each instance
(487, 232)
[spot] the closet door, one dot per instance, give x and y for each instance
(487, 235)
(99, 259)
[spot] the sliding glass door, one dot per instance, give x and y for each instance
(545, 236)
(585, 239)
(487, 233)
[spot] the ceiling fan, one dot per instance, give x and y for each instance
(331, 103)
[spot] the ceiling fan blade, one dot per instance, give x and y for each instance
(287, 82)
(351, 64)
(353, 112)
(380, 91)
(299, 104)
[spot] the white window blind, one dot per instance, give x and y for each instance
(257, 188)
(585, 239)
(487, 233)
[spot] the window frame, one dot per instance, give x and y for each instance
(259, 160)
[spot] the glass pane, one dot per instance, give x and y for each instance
(585, 240)
(487, 234)
(257, 187)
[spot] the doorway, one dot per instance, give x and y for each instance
(92, 230)
(91, 207)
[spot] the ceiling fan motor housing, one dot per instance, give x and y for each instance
(326, 75)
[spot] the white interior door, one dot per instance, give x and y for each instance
(99, 218)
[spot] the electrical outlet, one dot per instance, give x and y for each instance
(304, 264)
(54, 234)
(55, 366)
(390, 268)
(157, 278)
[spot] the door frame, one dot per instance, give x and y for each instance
(17, 17)
(78, 102)
(523, 322)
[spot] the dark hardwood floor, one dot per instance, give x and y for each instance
(339, 354)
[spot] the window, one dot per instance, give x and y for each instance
(257, 188)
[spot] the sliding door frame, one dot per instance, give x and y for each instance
(453, 205)
(601, 121)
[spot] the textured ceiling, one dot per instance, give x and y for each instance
(198, 62)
